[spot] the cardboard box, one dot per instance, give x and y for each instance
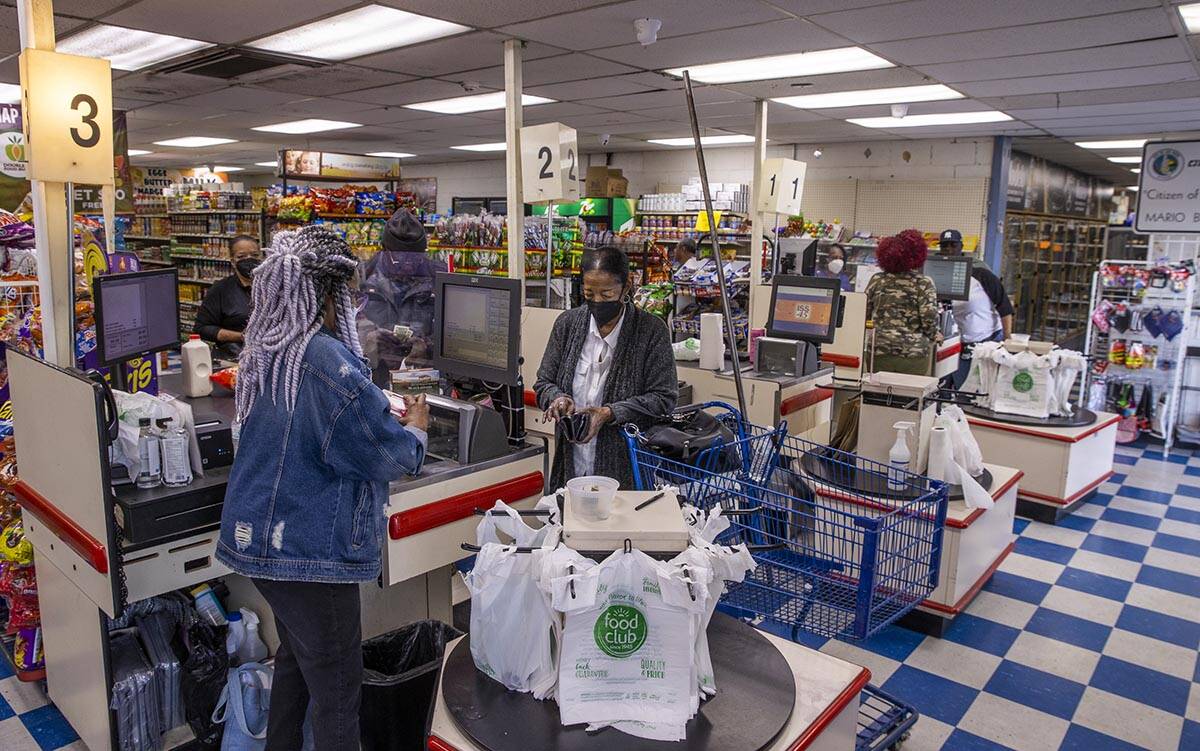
(605, 182)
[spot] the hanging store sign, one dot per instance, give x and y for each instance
(1169, 187)
(67, 103)
(549, 163)
(322, 164)
(781, 186)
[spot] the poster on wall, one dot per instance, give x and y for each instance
(1169, 187)
(1043, 187)
(301, 164)
(1018, 181)
(423, 191)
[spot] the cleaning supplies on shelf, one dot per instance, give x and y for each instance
(209, 606)
(235, 636)
(899, 457)
(252, 648)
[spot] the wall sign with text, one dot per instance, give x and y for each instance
(1169, 187)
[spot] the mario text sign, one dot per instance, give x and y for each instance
(1169, 187)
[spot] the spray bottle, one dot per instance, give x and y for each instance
(899, 457)
(252, 648)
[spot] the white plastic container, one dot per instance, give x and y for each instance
(209, 606)
(899, 457)
(197, 367)
(235, 637)
(252, 648)
(592, 496)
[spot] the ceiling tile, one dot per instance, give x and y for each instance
(569, 67)
(164, 86)
(332, 79)
(1097, 110)
(489, 15)
(731, 44)
(424, 90)
(656, 99)
(704, 112)
(335, 109)
(814, 7)
(442, 56)
(236, 98)
(862, 79)
(590, 88)
(1150, 121)
(546, 113)
(10, 33)
(1129, 55)
(612, 25)
(224, 21)
(1076, 81)
(86, 8)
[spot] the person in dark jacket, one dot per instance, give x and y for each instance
(222, 316)
(987, 313)
(610, 360)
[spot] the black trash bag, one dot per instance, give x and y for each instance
(400, 676)
(204, 672)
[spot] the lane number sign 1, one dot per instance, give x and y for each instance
(67, 103)
(550, 169)
(782, 186)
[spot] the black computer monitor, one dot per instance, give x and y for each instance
(477, 327)
(951, 275)
(805, 307)
(136, 314)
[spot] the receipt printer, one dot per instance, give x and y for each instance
(214, 438)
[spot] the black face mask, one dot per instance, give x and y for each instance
(604, 312)
(246, 266)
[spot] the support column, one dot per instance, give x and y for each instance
(53, 238)
(758, 220)
(512, 160)
(997, 203)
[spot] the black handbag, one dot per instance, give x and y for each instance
(687, 437)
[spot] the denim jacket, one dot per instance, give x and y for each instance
(307, 489)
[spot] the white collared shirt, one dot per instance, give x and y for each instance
(587, 389)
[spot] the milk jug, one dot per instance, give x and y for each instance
(197, 367)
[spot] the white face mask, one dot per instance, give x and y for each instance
(835, 266)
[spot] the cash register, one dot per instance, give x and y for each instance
(951, 275)
(805, 312)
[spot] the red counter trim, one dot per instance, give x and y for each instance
(803, 401)
(422, 518)
(530, 398)
(965, 600)
(1048, 436)
(63, 527)
(831, 712)
(976, 513)
(437, 744)
(948, 352)
(1073, 497)
(846, 361)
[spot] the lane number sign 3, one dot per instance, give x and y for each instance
(68, 118)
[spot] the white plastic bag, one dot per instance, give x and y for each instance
(982, 376)
(965, 461)
(133, 407)
(1070, 365)
(548, 565)
(1022, 384)
(705, 526)
(505, 519)
(688, 349)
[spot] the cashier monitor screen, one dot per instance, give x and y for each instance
(951, 276)
(806, 308)
(478, 332)
(136, 314)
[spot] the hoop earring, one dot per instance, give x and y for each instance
(628, 298)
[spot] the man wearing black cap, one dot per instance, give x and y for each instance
(986, 315)
(396, 325)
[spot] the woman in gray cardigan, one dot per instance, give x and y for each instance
(610, 360)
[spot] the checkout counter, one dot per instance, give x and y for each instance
(100, 547)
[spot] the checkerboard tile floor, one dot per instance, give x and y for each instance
(1086, 639)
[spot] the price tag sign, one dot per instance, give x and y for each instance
(549, 163)
(782, 186)
(67, 102)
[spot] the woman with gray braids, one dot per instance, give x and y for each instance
(303, 515)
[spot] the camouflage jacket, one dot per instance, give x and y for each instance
(904, 310)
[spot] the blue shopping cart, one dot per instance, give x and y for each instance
(845, 546)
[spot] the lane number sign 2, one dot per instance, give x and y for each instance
(549, 163)
(67, 117)
(781, 187)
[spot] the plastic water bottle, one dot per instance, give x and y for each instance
(252, 648)
(177, 462)
(149, 456)
(209, 606)
(235, 637)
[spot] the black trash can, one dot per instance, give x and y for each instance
(400, 676)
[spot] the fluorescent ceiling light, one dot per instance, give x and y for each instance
(1191, 17)
(225, 169)
(894, 95)
(704, 140)
(1131, 187)
(358, 32)
(267, 164)
(500, 146)
(138, 152)
(474, 103)
(194, 142)
(1125, 159)
(819, 62)
(10, 92)
(1133, 143)
(1136, 170)
(917, 121)
(395, 154)
(310, 125)
(128, 49)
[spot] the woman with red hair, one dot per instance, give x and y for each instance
(902, 304)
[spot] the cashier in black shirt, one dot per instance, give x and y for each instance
(226, 307)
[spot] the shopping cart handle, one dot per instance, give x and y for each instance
(766, 548)
(739, 511)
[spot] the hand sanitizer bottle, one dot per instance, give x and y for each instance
(899, 457)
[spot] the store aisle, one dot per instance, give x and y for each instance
(1086, 639)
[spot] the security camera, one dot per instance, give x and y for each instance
(899, 110)
(817, 153)
(647, 30)
(605, 138)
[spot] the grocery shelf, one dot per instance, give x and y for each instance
(154, 262)
(215, 211)
(198, 257)
(147, 237)
(205, 282)
(224, 235)
(722, 212)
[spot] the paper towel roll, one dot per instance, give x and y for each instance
(712, 341)
(941, 453)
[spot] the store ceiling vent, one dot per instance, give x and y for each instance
(239, 66)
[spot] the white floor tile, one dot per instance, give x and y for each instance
(1193, 705)
(1164, 601)
(1001, 609)
(928, 735)
(1090, 510)
(970, 667)
(1187, 502)
(1180, 529)
(1151, 653)
(1032, 568)
(1098, 563)
(1083, 605)
(22, 696)
(1132, 505)
(1054, 657)
(1172, 561)
(1013, 725)
(1072, 538)
(881, 667)
(14, 736)
(1131, 721)
(1123, 532)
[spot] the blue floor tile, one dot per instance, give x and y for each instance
(1017, 587)
(1158, 626)
(1047, 551)
(1117, 548)
(6, 670)
(1122, 459)
(932, 695)
(1069, 629)
(896, 642)
(1189, 490)
(1144, 685)
(1019, 525)
(1184, 584)
(1177, 544)
(1191, 735)
(1116, 478)
(1128, 517)
(1094, 584)
(982, 634)
(961, 740)
(1142, 494)
(1183, 515)
(1035, 688)
(48, 727)
(1099, 499)
(1191, 472)
(1080, 738)
(1077, 522)
(6, 710)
